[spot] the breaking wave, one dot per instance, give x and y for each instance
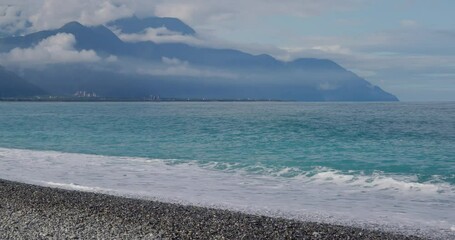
(320, 194)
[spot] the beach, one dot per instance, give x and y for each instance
(387, 171)
(36, 212)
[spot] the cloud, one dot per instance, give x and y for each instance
(159, 35)
(206, 11)
(173, 61)
(49, 14)
(411, 62)
(12, 19)
(54, 49)
(55, 13)
(392, 58)
(111, 58)
(45, 14)
(177, 67)
(335, 49)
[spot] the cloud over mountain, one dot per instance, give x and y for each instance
(158, 35)
(174, 70)
(177, 67)
(45, 14)
(58, 48)
(397, 48)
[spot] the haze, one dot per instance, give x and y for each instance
(404, 47)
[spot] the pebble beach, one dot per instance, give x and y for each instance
(36, 212)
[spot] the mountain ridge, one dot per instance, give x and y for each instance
(260, 75)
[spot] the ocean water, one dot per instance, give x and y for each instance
(379, 165)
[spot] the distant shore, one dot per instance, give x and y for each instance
(35, 212)
(69, 99)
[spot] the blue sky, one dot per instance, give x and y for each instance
(404, 46)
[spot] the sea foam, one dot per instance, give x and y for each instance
(322, 194)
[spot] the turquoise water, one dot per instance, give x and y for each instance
(383, 150)
(400, 139)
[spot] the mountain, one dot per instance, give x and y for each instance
(135, 25)
(178, 70)
(12, 85)
(98, 38)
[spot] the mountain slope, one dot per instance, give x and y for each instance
(12, 85)
(196, 72)
(97, 38)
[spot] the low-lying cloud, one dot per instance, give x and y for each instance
(54, 49)
(394, 57)
(177, 67)
(159, 35)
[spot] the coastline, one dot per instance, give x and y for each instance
(36, 212)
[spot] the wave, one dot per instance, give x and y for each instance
(77, 187)
(376, 181)
(323, 175)
(321, 194)
(379, 181)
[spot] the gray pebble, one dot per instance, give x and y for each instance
(34, 212)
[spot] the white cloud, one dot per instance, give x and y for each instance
(45, 14)
(177, 67)
(49, 14)
(408, 62)
(11, 19)
(111, 58)
(407, 51)
(159, 35)
(54, 49)
(55, 13)
(173, 61)
(202, 12)
(335, 49)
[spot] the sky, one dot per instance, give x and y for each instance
(404, 46)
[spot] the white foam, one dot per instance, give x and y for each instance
(77, 187)
(381, 182)
(323, 195)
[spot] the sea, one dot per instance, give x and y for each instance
(387, 166)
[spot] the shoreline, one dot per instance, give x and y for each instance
(37, 212)
(61, 99)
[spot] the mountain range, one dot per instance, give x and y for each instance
(126, 58)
